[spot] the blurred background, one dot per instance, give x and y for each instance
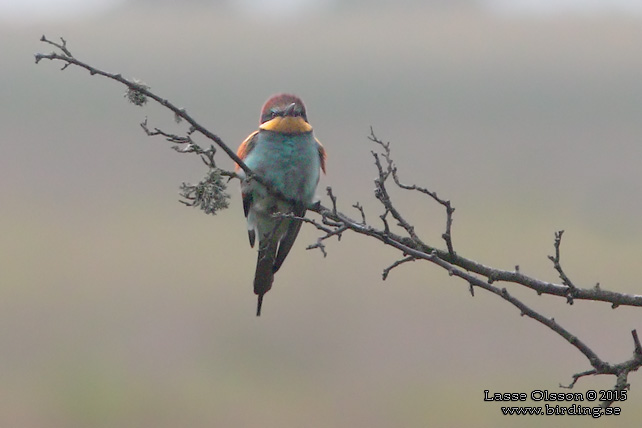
(120, 307)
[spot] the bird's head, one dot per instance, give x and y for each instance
(284, 113)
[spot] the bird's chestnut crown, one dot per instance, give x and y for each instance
(282, 105)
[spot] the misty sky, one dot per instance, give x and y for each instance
(30, 10)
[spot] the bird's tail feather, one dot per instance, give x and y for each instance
(258, 305)
(264, 276)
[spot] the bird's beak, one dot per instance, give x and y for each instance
(289, 110)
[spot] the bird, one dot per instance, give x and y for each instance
(286, 154)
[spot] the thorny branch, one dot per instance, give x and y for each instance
(333, 222)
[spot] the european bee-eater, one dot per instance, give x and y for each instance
(284, 152)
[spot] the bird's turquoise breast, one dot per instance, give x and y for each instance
(289, 162)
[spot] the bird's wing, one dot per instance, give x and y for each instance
(247, 146)
(322, 154)
(244, 149)
(247, 203)
(285, 245)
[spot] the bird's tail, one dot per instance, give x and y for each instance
(264, 276)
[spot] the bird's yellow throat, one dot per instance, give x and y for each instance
(287, 125)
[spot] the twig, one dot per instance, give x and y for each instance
(636, 343)
(381, 193)
(387, 270)
(558, 267)
(363, 214)
(447, 235)
(333, 199)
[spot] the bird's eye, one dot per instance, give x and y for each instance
(274, 113)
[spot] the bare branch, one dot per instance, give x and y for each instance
(636, 343)
(558, 267)
(142, 90)
(363, 214)
(577, 376)
(329, 227)
(333, 199)
(399, 262)
(447, 235)
(381, 192)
